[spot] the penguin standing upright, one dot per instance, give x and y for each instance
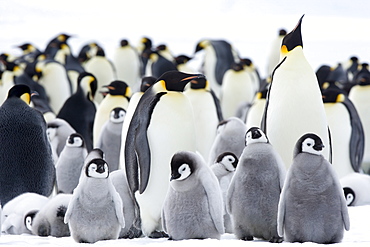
(118, 95)
(274, 54)
(193, 206)
(127, 62)
(162, 124)
(26, 162)
(312, 207)
(95, 210)
(58, 131)
(158, 64)
(347, 133)
(207, 113)
(294, 104)
(145, 49)
(79, 109)
(253, 195)
(255, 111)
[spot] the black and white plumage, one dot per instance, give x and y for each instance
(26, 162)
(253, 195)
(193, 206)
(356, 187)
(312, 207)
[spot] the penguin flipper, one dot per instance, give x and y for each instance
(218, 106)
(225, 58)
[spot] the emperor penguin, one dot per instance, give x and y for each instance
(294, 104)
(182, 63)
(118, 95)
(146, 83)
(253, 195)
(58, 131)
(229, 138)
(53, 45)
(127, 62)
(274, 53)
(55, 80)
(312, 207)
(347, 133)
(218, 57)
(29, 52)
(49, 220)
(224, 169)
(79, 109)
(28, 145)
(86, 52)
(130, 211)
(255, 111)
(158, 64)
(110, 138)
(70, 163)
(356, 187)
(359, 97)
(145, 49)
(237, 88)
(162, 124)
(193, 206)
(102, 68)
(95, 210)
(18, 213)
(207, 113)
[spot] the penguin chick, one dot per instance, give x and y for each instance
(58, 131)
(49, 221)
(70, 162)
(312, 206)
(224, 169)
(18, 213)
(95, 210)
(253, 194)
(193, 206)
(110, 138)
(356, 187)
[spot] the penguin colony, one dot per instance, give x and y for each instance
(143, 146)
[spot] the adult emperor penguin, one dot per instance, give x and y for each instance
(255, 111)
(95, 210)
(110, 139)
(356, 187)
(118, 95)
(312, 207)
(28, 145)
(229, 138)
(128, 64)
(219, 56)
(224, 169)
(193, 207)
(18, 213)
(70, 162)
(358, 96)
(294, 104)
(79, 109)
(163, 118)
(58, 131)
(102, 68)
(207, 113)
(347, 133)
(253, 195)
(237, 88)
(158, 64)
(49, 220)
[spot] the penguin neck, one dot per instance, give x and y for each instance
(293, 56)
(95, 189)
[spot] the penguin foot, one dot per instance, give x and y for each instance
(247, 238)
(133, 233)
(158, 234)
(276, 239)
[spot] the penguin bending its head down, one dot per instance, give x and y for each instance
(312, 207)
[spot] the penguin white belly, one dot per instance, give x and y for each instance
(255, 114)
(127, 65)
(340, 128)
(237, 88)
(205, 118)
(73, 77)
(359, 95)
(171, 130)
(297, 110)
(210, 61)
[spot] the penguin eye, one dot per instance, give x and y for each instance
(309, 144)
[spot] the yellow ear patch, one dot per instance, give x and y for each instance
(284, 49)
(258, 95)
(128, 92)
(340, 98)
(26, 97)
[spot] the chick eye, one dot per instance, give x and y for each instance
(309, 144)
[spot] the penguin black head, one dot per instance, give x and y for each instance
(237, 66)
(100, 52)
(282, 32)
(117, 115)
(200, 83)
(88, 83)
(97, 168)
(75, 140)
(147, 82)
(349, 195)
(176, 80)
(147, 42)
(228, 160)
(20, 91)
(28, 219)
(182, 166)
(124, 42)
(201, 45)
(293, 39)
(255, 135)
(309, 143)
(118, 87)
(333, 94)
(182, 59)
(161, 47)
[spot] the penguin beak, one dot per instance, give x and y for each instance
(193, 77)
(174, 176)
(100, 168)
(256, 134)
(318, 147)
